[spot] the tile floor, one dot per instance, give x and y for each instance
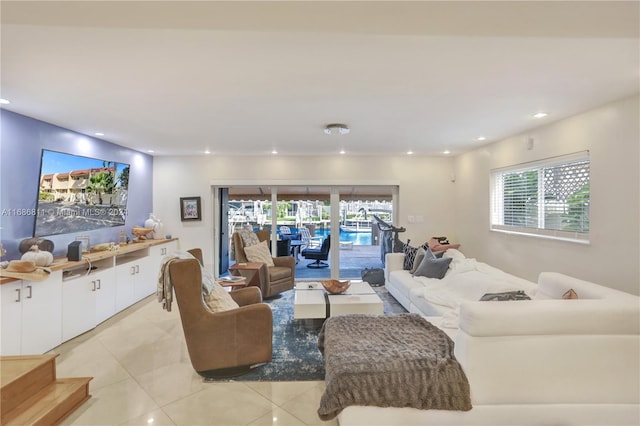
(142, 376)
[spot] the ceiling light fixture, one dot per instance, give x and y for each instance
(540, 114)
(99, 134)
(409, 152)
(342, 151)
(447, 152)
(274, 152)
(336, 129)
(4, 102)
(481, 138)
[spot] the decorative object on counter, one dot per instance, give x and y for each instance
(168, 236)
(105, 246)
(140, 233)
(336, 286)
(123, 237)
(190, 208)
(43, 244)
(153, 223)
(39, 257)
(86, 243)
(74, 251)
(25, 270)
(3, 252)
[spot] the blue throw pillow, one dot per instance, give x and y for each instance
(432, 267)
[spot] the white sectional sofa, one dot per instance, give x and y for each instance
(545, 361)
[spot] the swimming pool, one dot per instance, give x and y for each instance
(357, 238)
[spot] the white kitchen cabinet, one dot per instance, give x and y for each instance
(88, 297)
(132, 278)
(42, 314)
(36, 317)
(156, 256)
(106, 285)
(11, 317)
(32, 316)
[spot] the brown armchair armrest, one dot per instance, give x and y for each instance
(287, 261)
(247, 296)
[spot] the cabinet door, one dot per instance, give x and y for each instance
(11, 317)
(105, 295)
(78, 306)
(125, 278)
(146, 278)
(158, 253)
(42, 314)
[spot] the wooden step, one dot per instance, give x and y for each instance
(31, 393)
(23, 376)
(52, 404)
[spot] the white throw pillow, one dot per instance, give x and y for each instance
(259, 253)
(219, 300)
(454, 254)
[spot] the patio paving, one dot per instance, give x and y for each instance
(352, 262)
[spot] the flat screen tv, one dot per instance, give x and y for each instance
(79, 194)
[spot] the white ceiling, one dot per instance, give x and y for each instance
(239, 78)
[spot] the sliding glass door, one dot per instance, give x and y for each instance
(327, 242)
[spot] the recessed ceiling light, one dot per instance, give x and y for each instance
(150, 151)
(99, 134)
(540, 114)
(274, 152)
(409, 152)
(4, 102)
(207, 151)
(342, 151)
(446, 152)
(481, 138)
(336, 129)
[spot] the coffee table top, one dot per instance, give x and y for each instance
(356, 287)
(313, 301)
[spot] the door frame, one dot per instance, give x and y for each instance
(334, 197)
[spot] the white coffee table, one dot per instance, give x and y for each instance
(311, 301)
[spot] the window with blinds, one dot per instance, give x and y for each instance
(547, 198)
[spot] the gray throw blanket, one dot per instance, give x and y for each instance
(389, 361)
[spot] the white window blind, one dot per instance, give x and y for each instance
(546, 198)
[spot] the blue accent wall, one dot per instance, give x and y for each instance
(21, 143)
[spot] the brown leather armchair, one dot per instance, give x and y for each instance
(273, 279)
(221, 344)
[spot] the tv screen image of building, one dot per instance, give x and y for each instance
(79, 193)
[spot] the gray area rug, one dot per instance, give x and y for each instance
(295, 343)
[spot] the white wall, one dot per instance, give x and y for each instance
(458, 210)
(425, 188)
(611, 134)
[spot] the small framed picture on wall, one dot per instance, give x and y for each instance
(190, 208)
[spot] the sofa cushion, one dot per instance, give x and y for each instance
(433, 267)
(277, 273)
(259, 253)
(420, 253)
(410, 253)
(404, 282)
(219, 300)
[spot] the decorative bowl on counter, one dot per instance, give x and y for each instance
(335, 286)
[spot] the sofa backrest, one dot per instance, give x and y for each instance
(552, 285)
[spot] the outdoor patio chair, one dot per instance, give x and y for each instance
(308, 240)
(284, 230)
(318, 254)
